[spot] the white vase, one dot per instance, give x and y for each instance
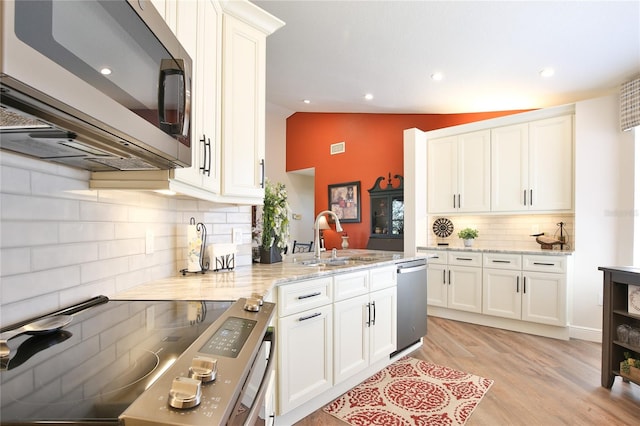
(468, 242)
(345, 242)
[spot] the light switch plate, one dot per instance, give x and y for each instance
(237, 236)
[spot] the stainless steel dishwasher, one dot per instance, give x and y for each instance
(412, 302)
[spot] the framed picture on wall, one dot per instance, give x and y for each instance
(344, 201)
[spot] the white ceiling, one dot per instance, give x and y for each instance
(490, 52)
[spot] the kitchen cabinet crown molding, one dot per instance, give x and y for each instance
(252, 15)
(523, 117)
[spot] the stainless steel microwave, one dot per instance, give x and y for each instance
(98, 85)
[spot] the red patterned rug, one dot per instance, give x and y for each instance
(411, 392)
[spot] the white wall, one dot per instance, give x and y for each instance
(300, 187)
(61, 242)
(604, 204)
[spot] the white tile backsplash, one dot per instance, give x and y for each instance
(61, 242)
(506, 231)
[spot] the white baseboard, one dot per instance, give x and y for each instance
(585, 333)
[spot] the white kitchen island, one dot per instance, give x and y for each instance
(335, 325)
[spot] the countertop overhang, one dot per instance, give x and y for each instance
(480, 249)
(245, 281)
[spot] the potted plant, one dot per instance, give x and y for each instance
(468, 235)
(275, 223)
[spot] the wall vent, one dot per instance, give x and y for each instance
(337, 148)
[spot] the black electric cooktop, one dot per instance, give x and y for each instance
(95, 367)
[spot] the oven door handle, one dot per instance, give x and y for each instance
(252, 417)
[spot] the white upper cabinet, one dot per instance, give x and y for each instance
(516, 164)
(243, 106)
(532, 166)
(458, 173)
(198, 29)
(551, 163)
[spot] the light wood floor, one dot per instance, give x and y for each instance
(537, 381)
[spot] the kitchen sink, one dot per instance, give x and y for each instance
(336, 261)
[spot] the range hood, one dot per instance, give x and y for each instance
(30, 127)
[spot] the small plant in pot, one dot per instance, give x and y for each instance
(468, 235)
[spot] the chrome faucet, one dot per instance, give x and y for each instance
(316, 228)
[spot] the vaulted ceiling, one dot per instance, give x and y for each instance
(490, 54)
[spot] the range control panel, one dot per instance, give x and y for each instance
(229, 339)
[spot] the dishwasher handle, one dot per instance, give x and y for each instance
(403, 270)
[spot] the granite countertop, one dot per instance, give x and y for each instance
(244, 281)
(514, 250)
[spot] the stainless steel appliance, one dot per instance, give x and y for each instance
(412, 302)
(115, 352)
(99, 85)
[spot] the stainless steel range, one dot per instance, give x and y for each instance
(140, 362)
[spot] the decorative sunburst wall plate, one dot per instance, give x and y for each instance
(442, 227)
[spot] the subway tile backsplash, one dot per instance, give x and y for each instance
(507, 231)
(61, 242)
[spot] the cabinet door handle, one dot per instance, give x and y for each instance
(464, 258)
(209, 157)
(306, 296)
(518, 284)
(531, 197)
(501, 261)
(262, 178)
(368, 323)
(459, 201)
(373, 321)
(449, 276)
(454, 201)
(308, 317)
(543, 264)
(524, 285)
(206, 150)
(444, 277)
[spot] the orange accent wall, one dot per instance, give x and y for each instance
(374, 144)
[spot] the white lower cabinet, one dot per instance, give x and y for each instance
(544, 298)
(528, 288)
(305, 366)
(330, 328)
(304, 341)
(465, 288)
(535, 295)
(455, 281)
(364, 331)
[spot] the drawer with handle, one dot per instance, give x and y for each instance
(303, 295)
(502, 261)
(438, 257)
(464, 258)
(556, 264)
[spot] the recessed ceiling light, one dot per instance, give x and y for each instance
(368, 96)
(105, 71)
(546, 72)
(437, 76)
(306, 101)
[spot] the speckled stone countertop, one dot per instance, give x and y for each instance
(515, 250)
(244, 281)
